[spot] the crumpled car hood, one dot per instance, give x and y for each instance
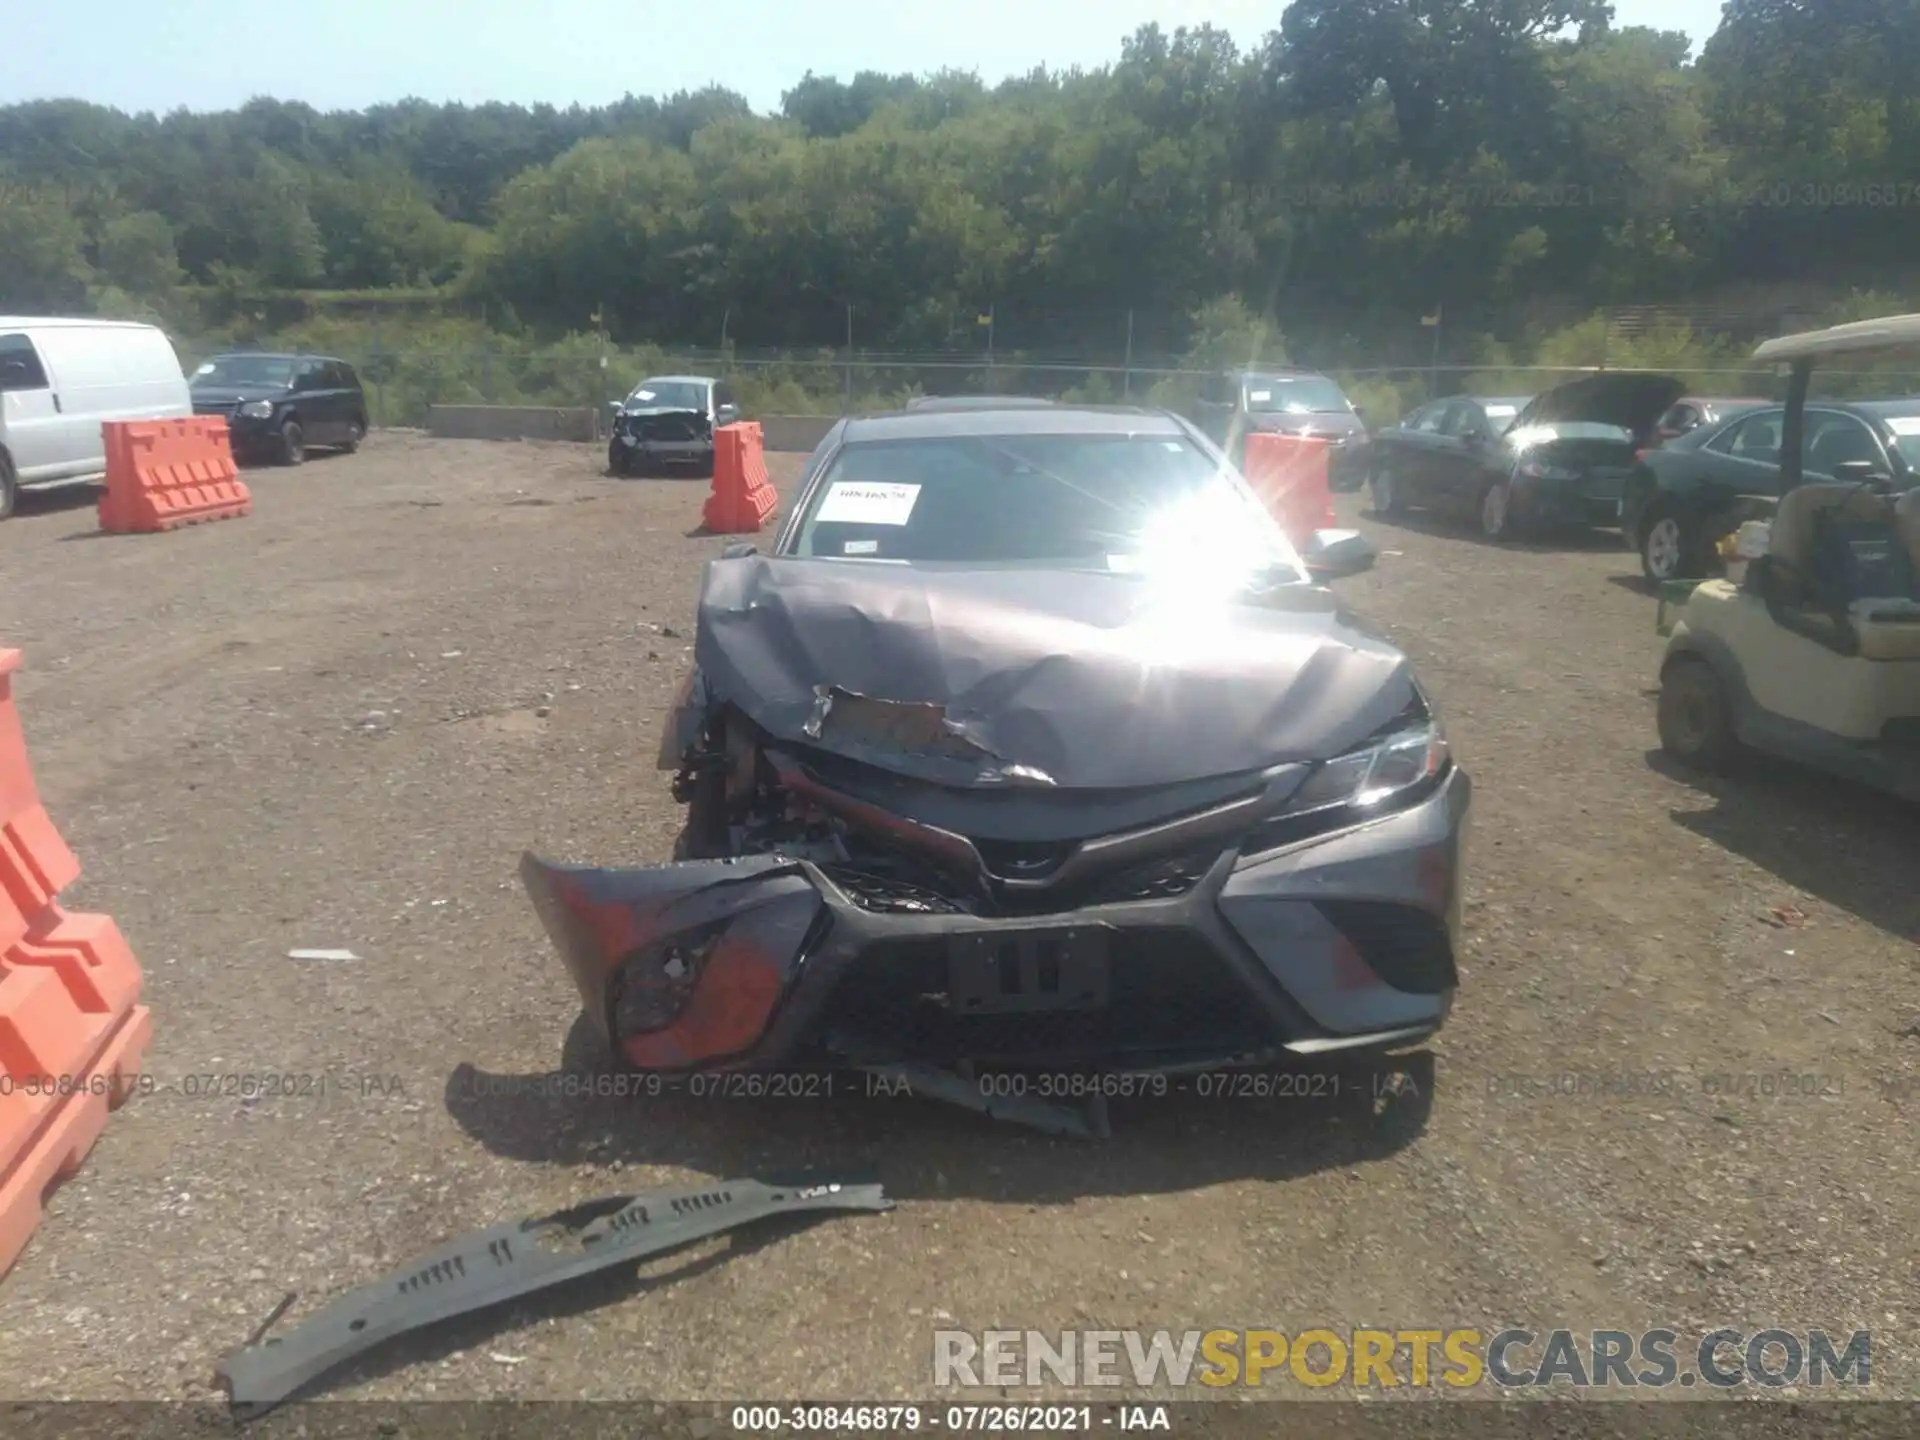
(1038, 677)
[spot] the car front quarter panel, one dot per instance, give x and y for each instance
(1408, 861)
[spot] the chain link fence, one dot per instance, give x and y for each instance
(402, 384)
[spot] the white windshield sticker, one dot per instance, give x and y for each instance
(860, 547)
(1904, 424)
(849, 502)
(1259, 397)
(643, 394)
(206, 369)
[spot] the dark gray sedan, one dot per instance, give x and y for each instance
(1030, 745)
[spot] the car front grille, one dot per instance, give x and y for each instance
(1169, 997)
(1406, 947)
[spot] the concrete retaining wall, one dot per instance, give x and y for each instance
(509, 422)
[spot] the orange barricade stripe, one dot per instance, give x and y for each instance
(72, 1030)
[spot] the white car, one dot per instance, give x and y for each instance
(61, 379)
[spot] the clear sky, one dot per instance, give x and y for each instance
(345, 54)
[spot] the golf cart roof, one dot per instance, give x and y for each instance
(1886, 333)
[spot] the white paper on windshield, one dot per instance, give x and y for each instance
(206, 369)
(860, 547)
(1904, 424)
(852, 502)
(643, 394)
(1259, 397)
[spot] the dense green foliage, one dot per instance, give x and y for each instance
(1520, 164)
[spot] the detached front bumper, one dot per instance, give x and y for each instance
(1342, 941)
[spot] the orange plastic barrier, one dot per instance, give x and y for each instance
(162, 474)
(71, 1029)
(1289, 472)
(742, 497)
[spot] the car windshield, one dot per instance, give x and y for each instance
(1115, 502)
(669, 394)
(1295, 395)
(239, 370)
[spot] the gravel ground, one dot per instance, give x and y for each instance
(338, 723)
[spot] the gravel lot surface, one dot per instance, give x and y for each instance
(338, 722)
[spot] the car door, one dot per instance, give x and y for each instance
(1414, 450)
(31, 426)
(1833, 438)
(1742, 459)
(317, 403)
(1453, 461)
(1475, 454)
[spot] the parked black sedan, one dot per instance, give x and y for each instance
(669, 420)
(278, 407)
(1561, 458)
(1684, 497)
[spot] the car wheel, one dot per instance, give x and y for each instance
(356, 432)
(616, 459)
(9, 486)
(1669, 547)
(1696, 720)
(293, 444)
(1387, 499)
(1496, 511)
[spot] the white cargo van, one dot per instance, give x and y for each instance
(59, 379)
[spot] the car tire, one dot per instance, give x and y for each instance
(1695, 715)
(617, 459)
(1385, 493)
(293, 444)
(1670, 547)
(9, 486)
(356, 432)
(1496, 511)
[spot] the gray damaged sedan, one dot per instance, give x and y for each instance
(1032, 744)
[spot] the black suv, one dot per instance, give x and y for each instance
(1285, 401)
(279, 406)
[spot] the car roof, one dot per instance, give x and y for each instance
(678, 380)
(1518, 402)
(1281, 372)
(1721, 400)
(47, 322)
(976, 402)
(1024, 420)
(275, 355)
(1906, 405)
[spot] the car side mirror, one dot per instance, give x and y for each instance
(1334, 554)
(739, 550)
(614, 407)
(727, 414)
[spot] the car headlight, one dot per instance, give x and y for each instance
(1392, 768)
(1371, 777)
(257, 409)
(1540, 470)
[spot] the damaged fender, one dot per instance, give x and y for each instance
(508, 1261)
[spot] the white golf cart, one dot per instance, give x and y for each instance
(1813, 655)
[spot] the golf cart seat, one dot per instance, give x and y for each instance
(1865, 608)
